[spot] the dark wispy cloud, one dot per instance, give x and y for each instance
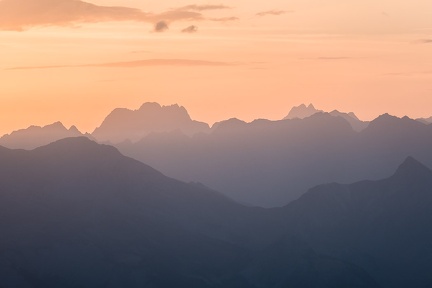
(161, 26)
(132, 64)
(225, 19)
(20, 15)
(426, 41)
(190, 29)
(272, 13)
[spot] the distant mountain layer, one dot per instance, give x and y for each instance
(270, 163)
(425, 120)
(36, 136)
(263, 163)
(303, 111)
(79, 214)
(127, 125)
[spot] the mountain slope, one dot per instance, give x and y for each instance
(382, 226)
(263, 163)
(76, 203)
(78, 214)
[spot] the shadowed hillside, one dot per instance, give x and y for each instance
(79, 214)
(270, 163)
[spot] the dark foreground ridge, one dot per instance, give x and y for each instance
(79, 214)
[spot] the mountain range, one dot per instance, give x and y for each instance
(262, 163)
(271, 163)
(80, 214)
(303, 111)
(36, 136)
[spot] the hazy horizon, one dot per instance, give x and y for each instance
(211, 124)
(76, 63)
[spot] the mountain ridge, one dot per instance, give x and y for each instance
(36, 136)
(124, 124)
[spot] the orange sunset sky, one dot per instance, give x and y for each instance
(75, 61)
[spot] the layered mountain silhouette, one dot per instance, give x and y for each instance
(270, 163)
(425, 120)
(303, 111)
(35, 136)
(132, 125)
(79, 214)
(262, 163)
(380, 226)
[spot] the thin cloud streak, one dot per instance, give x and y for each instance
(225, 19)
(200, 8)
(133, 64)
(329, 58)
(272, 13)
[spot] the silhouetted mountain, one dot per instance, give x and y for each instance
(425, 120)
(78, 214)
(270, 163)
(264, 163)
(382, 226)
(232, 125)
(304, 111)
(125, 124)
(355, 123)
(35, 136)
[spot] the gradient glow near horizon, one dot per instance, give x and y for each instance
(75, 61)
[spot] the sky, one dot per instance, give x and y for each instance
(75, 61)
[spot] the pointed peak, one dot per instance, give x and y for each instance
(74, 129)
(302, 111)
(386, 116)
(353, 115)
(412, 168)
(57, 124)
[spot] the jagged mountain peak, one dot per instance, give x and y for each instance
(302, 111)
(133, 125)
(413, 169)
